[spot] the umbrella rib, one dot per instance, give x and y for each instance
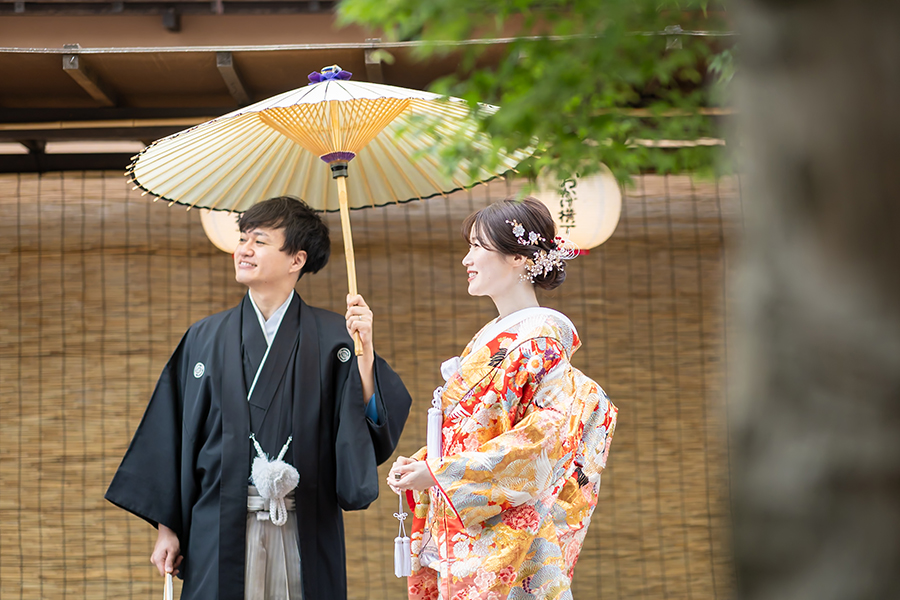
(287, 155)
(436, 165)
(239, 178)
(211, 166)
(387, 182)
(169, 155)
(365, 180)
(422, 171)
(302, 94)
(295, 168)
(431, 107)
(270, 148)
(371, 117)
(399, 169)
(298, 123)
(206, 137)
(211, 186)
(263, 167)
(165, 192)
(430, 159)
(306, 184)
(333, 117)
(277, 101)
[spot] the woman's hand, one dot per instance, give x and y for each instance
(409, 474)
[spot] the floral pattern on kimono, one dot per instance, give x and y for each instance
(525, 437)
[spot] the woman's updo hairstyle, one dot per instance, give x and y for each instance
(489, 228)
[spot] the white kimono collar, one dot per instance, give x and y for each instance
(498, 326)
(494, 329)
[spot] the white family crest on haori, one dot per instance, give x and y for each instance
(343, 355)
(199, 369)
(274, 480)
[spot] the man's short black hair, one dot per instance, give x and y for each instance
(303, 228)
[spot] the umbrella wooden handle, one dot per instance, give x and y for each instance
(348, 250)
(169, 591)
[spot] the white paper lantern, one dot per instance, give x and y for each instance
(221, 228)
(596, 204)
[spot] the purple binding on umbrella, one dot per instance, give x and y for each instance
(329, 73)
(333, 156)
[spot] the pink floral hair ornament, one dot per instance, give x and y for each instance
(544, 261)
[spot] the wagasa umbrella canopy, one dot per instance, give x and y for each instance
(277, 147)
(280, 146)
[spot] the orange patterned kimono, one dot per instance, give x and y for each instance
(525, 437)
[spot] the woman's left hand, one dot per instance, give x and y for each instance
(413, 475)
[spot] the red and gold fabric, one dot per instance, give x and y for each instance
(525, 438)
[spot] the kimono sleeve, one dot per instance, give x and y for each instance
(535, 451)
(356, 473)
(393, 402)
(360, 443)
(146, 483)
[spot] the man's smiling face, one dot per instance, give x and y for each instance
(260, 263)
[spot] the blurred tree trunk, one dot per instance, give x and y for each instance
(816, 420)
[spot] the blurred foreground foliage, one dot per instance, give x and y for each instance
(585, 81)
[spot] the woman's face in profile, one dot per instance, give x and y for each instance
(489, 272)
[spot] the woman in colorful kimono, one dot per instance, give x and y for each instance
(502, 498)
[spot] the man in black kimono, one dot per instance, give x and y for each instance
(275, 367)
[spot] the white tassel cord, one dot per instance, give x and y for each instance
(402, 554)
(435, 424)
(274, 479)
(433, 438)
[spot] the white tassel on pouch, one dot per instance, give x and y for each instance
(402, 554)
(435, 423)
(433, 441)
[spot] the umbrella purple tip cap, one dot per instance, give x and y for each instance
(338, 156)
(329, 73)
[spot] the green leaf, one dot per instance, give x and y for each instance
(575, 78)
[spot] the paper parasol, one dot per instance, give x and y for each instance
(276, 147)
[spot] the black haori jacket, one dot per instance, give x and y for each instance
(189, 461)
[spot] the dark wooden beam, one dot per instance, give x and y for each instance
(113, 113)
(83, 76)
(34, 146)
(42, 163)
(171, 20)
(225, 64)
(60, 135)
(193, 7)
(373, 63)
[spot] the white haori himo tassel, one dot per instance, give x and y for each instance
(402, 554)
(433, 441)
(274, 479)
(435, 424)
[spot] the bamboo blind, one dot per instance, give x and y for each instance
(99, 284)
